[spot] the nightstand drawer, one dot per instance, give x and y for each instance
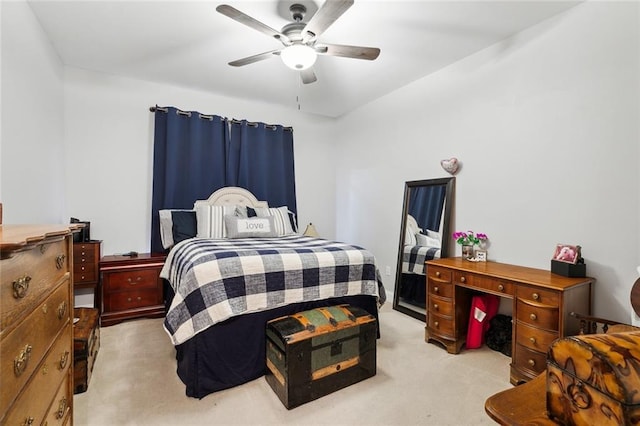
(124, 300)
(138, 278)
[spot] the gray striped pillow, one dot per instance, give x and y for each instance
(281, 218)
(211, 220)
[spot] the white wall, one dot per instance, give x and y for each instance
(109, 142)
(546, 125)
(31, 166)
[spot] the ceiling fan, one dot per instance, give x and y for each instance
(300, 40)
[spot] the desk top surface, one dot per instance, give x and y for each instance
(521, 274)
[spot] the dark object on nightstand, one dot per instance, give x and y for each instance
(131, 287)
(86, 342)
(86, 256)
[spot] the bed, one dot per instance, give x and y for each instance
(222, 286)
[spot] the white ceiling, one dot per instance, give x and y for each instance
(187, 43)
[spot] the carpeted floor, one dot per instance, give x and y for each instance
(134, 383)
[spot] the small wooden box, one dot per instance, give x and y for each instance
(316, 352)
(86, 342)
(594, 379)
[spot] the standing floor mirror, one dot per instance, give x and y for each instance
(424, 235)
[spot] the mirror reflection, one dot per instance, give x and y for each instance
(424, 235)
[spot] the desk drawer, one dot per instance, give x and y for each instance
(440, 305)
(439, 274)
(534, 338)
(538, 295)
(526, 359)
(439, 288)
(440, 325)
(539, 316)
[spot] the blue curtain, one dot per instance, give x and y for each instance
(189, 162)
(426, 204)
(261, 160)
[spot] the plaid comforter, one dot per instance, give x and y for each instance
(413, 258)
(214, 280)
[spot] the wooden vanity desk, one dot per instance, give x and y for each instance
(542, 303)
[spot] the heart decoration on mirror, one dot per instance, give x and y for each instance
(451, 165)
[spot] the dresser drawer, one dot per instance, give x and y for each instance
(36, 398)
(540, 316)
(439, 288)
(125, 280)
(25, 346)
(440, 305)
(439, 274)
(85, 272)
(534, 338)
(27, 276)
(526, 359)
(84, 253)
(60, 406)
(542, 296)
(124, 300)
(440, 325)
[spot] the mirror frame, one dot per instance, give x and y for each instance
(447, 215)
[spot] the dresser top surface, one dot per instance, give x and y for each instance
(14, 237)
(522, 274)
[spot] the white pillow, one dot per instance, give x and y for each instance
(260, 227)
(434, 234)
(211, 220)
(427, 241)
(280, 216)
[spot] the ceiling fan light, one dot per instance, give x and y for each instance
(298, 57)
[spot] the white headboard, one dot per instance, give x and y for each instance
(232, 195)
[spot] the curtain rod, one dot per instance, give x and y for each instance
(210, 117)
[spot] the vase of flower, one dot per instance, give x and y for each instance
(468, 240)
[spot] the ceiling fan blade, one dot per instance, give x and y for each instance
(250, 22)
(355, 52)
(308, 76)
(255, 58)
(324, 17)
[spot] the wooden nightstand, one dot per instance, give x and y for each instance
(131, 287)
(86, 255)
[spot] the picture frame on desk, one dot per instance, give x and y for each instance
(567, 253)
(481, 255)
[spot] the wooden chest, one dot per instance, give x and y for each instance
(86, 342)
(316, 352)
(594, 379)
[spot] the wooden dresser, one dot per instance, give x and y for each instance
(36, 338)
(131, 287)
(542, 303)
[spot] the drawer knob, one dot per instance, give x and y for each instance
(531, 362)
(28, 421)
(500, 287)
(20, 287)
(462, 279)
(532, 340)
(64, 358)
(536, 296)
(139, 298)
(438, 274)
(60, 261)
(436, 289)
(138, 279)
(62, 309)
(22, 360)
(533, 317)
(62, 407)
(435, 306)
(436, 324)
